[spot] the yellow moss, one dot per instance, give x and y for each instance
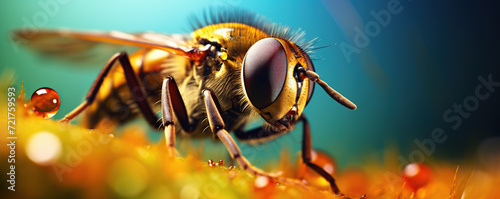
(92, 164)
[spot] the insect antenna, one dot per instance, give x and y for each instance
(330, 91)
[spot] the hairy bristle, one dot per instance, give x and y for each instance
(213, 16)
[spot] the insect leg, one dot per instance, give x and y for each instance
(306, 155)
(171, 102)
(136, 89)
(171, 98)
(217, 125)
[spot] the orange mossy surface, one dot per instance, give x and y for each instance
(82, 163)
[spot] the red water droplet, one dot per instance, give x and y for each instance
(416, 175)
(45, 102)
(264, 185)
(210, 163)
(324, 161)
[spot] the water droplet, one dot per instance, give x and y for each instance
(416, 175)
(264, 185)
(261, 182)
(45, 102)
(324, 161)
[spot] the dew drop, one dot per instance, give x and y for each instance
(416, 175)
(45, 102)
(261, 181)
(322, 160)
(264, 185)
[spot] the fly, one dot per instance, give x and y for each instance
(233, 67)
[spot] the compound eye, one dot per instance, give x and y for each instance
(264, 71)
(311, 83)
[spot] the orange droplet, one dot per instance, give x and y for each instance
(221, 163)
(210, 163)
(264, 187)
(324, 161)
(45, 102)
(416, 175)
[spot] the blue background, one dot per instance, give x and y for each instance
(427, 58)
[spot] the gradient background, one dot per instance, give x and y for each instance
(425, 60)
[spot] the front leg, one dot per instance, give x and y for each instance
(261, 134)
(307, 153)
(217, 125)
